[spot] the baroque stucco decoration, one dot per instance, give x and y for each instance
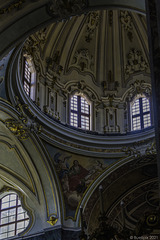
(53, 68)
(127, 24)
(62, 9)
(126, 20)
(16, 5)
(138, 87)
(83, 60)
(135, 62)
(22, 127)
(92, 23)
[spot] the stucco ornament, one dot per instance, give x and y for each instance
(126, 20)
(135, 62)
(92, 23)
(64, 8)
(83, 59)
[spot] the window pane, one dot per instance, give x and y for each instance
(11, 227)
(147, 120)
(20, 210)
(11, 234)
(12, 203)
(135, 108)
(145, 104)
(4, 220)
(84, 106)
(5, 205)
(27, 78)
(20, 216)
(141, 117)
(3, 235)
(80, 112)
(20, 225)
(4, 214)
(74, 105)
(4, 229)
(5, 199)
(12, 197)
(11, 217)
(12, 212)
(136, 123)
(85, 122)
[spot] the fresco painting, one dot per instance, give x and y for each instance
(76, 172)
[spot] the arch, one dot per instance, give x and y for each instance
(42, 17)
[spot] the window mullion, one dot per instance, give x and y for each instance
(0, 210)
(79, 111)
(141, 113)
(16, 215)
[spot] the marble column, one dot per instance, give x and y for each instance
(153, 23)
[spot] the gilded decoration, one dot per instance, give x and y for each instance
(135, 62)
(15, 5)
(25, 125)
(52, 220)
(17, 129)
(63, 9)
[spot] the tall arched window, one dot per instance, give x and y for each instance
(141, 114)
(13, 218)
(79, 112)
(29, 77)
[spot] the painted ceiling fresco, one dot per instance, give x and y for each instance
(76, 173)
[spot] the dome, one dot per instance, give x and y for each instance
(81, 108)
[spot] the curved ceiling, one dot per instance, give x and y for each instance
(135, 185)
(14, 16)
(104, 54)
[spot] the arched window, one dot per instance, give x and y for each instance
(79, 112)
(13, 218)
(29, 78)
(141, 115)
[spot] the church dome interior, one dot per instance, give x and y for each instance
(77, 124)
